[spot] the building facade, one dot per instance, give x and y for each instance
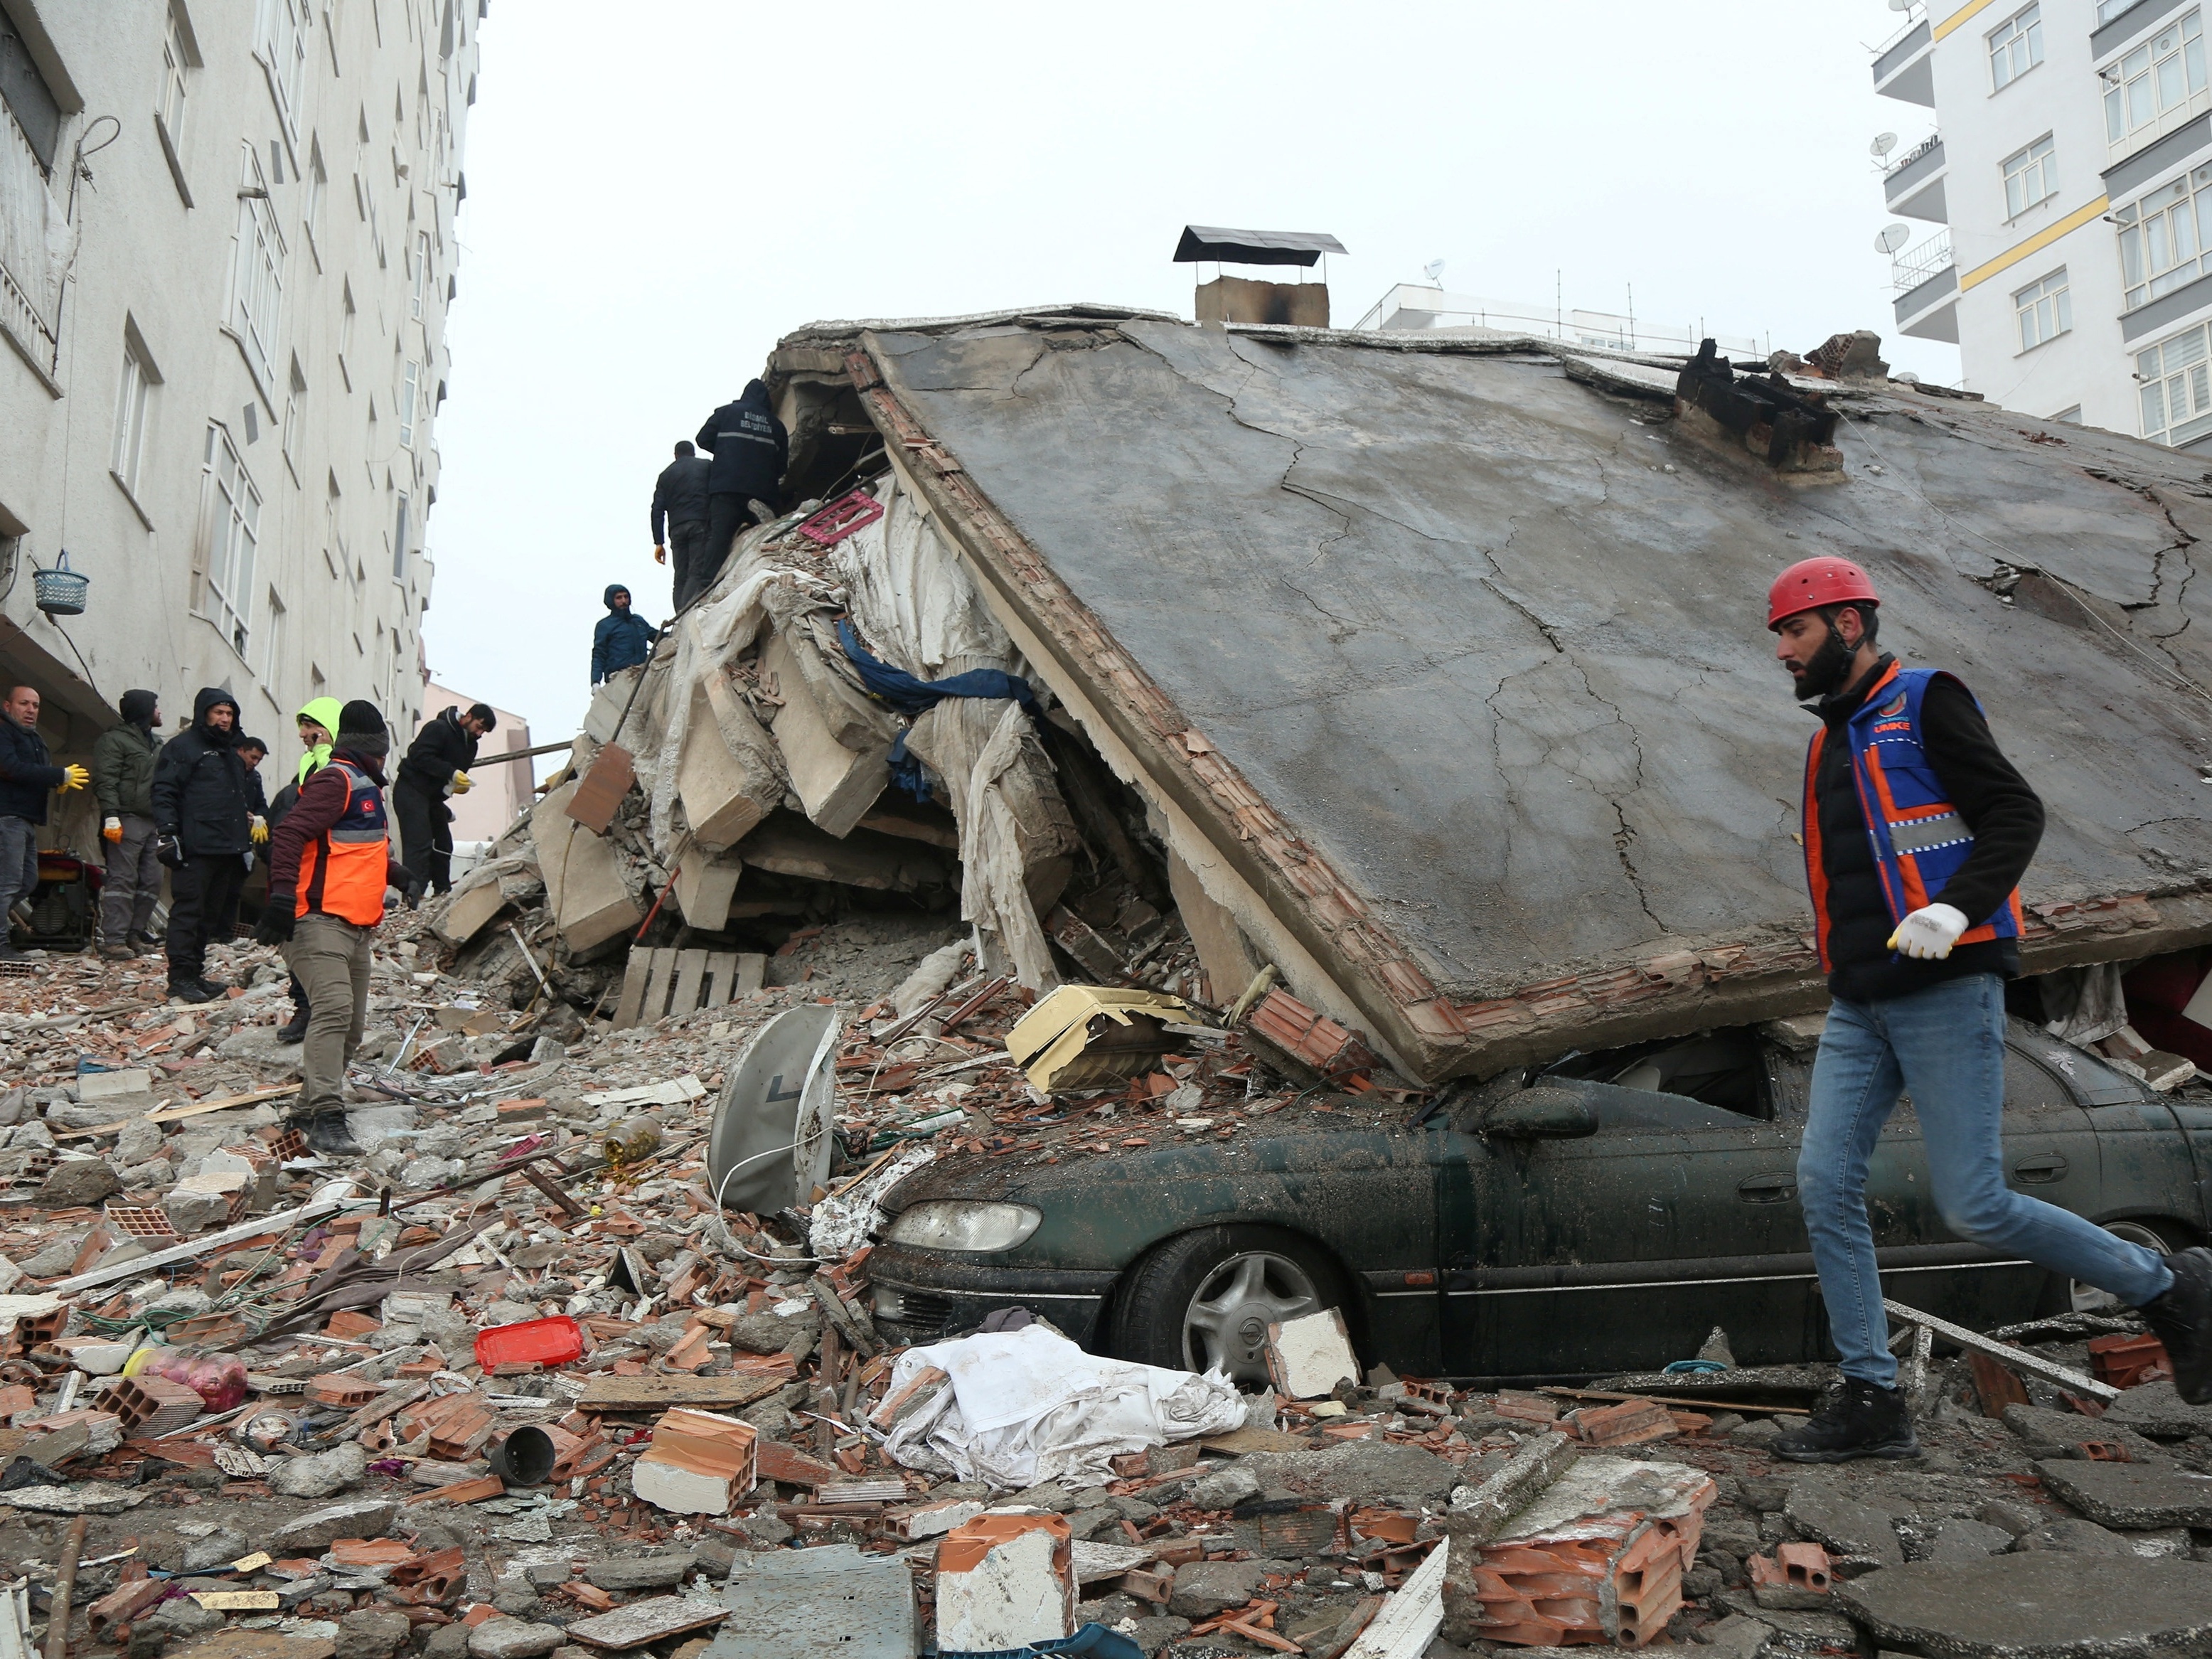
(226, 251)
(2072, 150)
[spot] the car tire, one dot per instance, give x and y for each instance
(1245, 1275)
(2063, 1295)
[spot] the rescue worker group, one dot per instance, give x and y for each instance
(1917, 832)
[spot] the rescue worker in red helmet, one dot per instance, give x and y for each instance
(330, 863)
(1917, 832)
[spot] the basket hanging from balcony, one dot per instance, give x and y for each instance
(60, 591)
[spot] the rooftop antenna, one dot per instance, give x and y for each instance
(1892, 237)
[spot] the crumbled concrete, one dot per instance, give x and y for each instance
(2048, 1606)
(1203, 1588)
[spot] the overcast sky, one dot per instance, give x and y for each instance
(656, 193)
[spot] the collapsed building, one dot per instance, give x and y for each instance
(1430, 671)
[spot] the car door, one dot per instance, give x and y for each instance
(1619, 1250)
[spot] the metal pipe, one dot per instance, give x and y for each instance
(58, 1620)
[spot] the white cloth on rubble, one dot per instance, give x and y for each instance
(1029, 1405)
(842, 1222)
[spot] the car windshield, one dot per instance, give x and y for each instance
(1716, 1068)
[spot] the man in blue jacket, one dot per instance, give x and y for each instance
(623, 640)
(751, 449)
(28, 776)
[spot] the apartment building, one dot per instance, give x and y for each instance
(226, 251)
(2072, 149)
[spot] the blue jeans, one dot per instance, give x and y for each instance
(1945, 1046)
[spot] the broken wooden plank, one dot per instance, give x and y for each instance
(652, 1620)
(2018, 1359)
(282, 1221)
(690, 981)
(721, 978)
(653, 1394)
(636, 975)
(171, 1114)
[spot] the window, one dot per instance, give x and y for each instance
(232, 521)
(272, 641)
(345, 332)
(311, 211)
(2162, 237)
(2175, 382)
(399, 541)
(131, 399)
(2030, 176)
(176, 65)
(295, 389)
(2157, 85)
(282, 46)
(411, 376)
(2015, 46)
(2108, 10)
(2069, 416)
(29, 100)
(2046, 310)
(420, 274)
(257, 283)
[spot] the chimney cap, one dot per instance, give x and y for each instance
(1255, 247)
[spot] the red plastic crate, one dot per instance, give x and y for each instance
(554, 1341)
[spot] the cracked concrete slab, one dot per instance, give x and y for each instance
(1486, 645)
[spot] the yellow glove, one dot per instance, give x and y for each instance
(461, 785)
(74, 777)
(260, 829)
(110, 829)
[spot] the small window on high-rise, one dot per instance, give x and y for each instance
(2015, 46)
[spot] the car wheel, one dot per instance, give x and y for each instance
(1204, 1300)
(2087, 1298)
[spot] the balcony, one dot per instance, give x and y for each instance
(1904, 65)
(1913, 186)
(34, 255)
(1926, 281)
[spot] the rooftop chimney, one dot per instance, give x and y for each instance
(1241, 299)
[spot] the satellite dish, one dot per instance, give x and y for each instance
(1884, 142)
(1903, 5)
(1892, 237)
(769, 1145)
(1434, 269)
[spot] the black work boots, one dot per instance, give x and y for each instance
(2182, 1319)
(294, 1030)
(326, 1132)
(1858, 1419)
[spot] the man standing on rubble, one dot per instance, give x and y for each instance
(1917, 832)
(122, 779)
(28, 776)
(623, 640)
(436, 767)
(330, 862)
(751, 449)
(204, 816)
(680, 498)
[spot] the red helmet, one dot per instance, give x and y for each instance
(1811, 583)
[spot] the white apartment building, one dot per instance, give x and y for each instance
(1411, 305)
(2073, 149)
(227, 250)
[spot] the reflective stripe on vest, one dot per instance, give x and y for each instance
(1918, 839)
(342, 872)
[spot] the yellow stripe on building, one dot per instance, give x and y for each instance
(1961, 17)
(2042, 239)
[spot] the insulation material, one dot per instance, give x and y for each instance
(1308, 1357)
(1003, 1582)
(2084, 1006)
(1029, 1405)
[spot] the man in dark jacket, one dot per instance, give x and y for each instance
(751, 449)
(437, 766)
(623, 640)
(28, 776)
(1918, 919)
(204, 816)
(680, 497)
(122, 778)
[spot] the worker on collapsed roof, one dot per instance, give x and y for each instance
(679, 499)
(1917, 832)
(330, 863)
(623, 640)
(751, 449)
(436, 769)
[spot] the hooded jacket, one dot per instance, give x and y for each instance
(440, 748)
(750, 447)
(623, 640)
(321, 804)
(199, 793)
(123, 759)
(324, 711)
(27, 772)
(679, 494)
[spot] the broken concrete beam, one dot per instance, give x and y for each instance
(1481, 1512)
(1308, 1357)
(728, 775)
(703, 886)
(608, 702)
(699, 1463)
(484, 893)
(1005, 1581)
(836, 782)
(586, 887)
(1228, 958)
(789, 846)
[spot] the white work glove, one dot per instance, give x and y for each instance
(1929, 933)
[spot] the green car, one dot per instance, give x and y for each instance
(1601, 1215)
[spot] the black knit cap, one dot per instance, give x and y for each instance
(361, 715)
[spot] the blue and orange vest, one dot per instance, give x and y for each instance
(1919, 839)
(343, 873)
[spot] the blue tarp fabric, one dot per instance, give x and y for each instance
(903, 691)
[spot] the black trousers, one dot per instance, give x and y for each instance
(426, 835)
(727, 517)
(203, 890)
(687, 558)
